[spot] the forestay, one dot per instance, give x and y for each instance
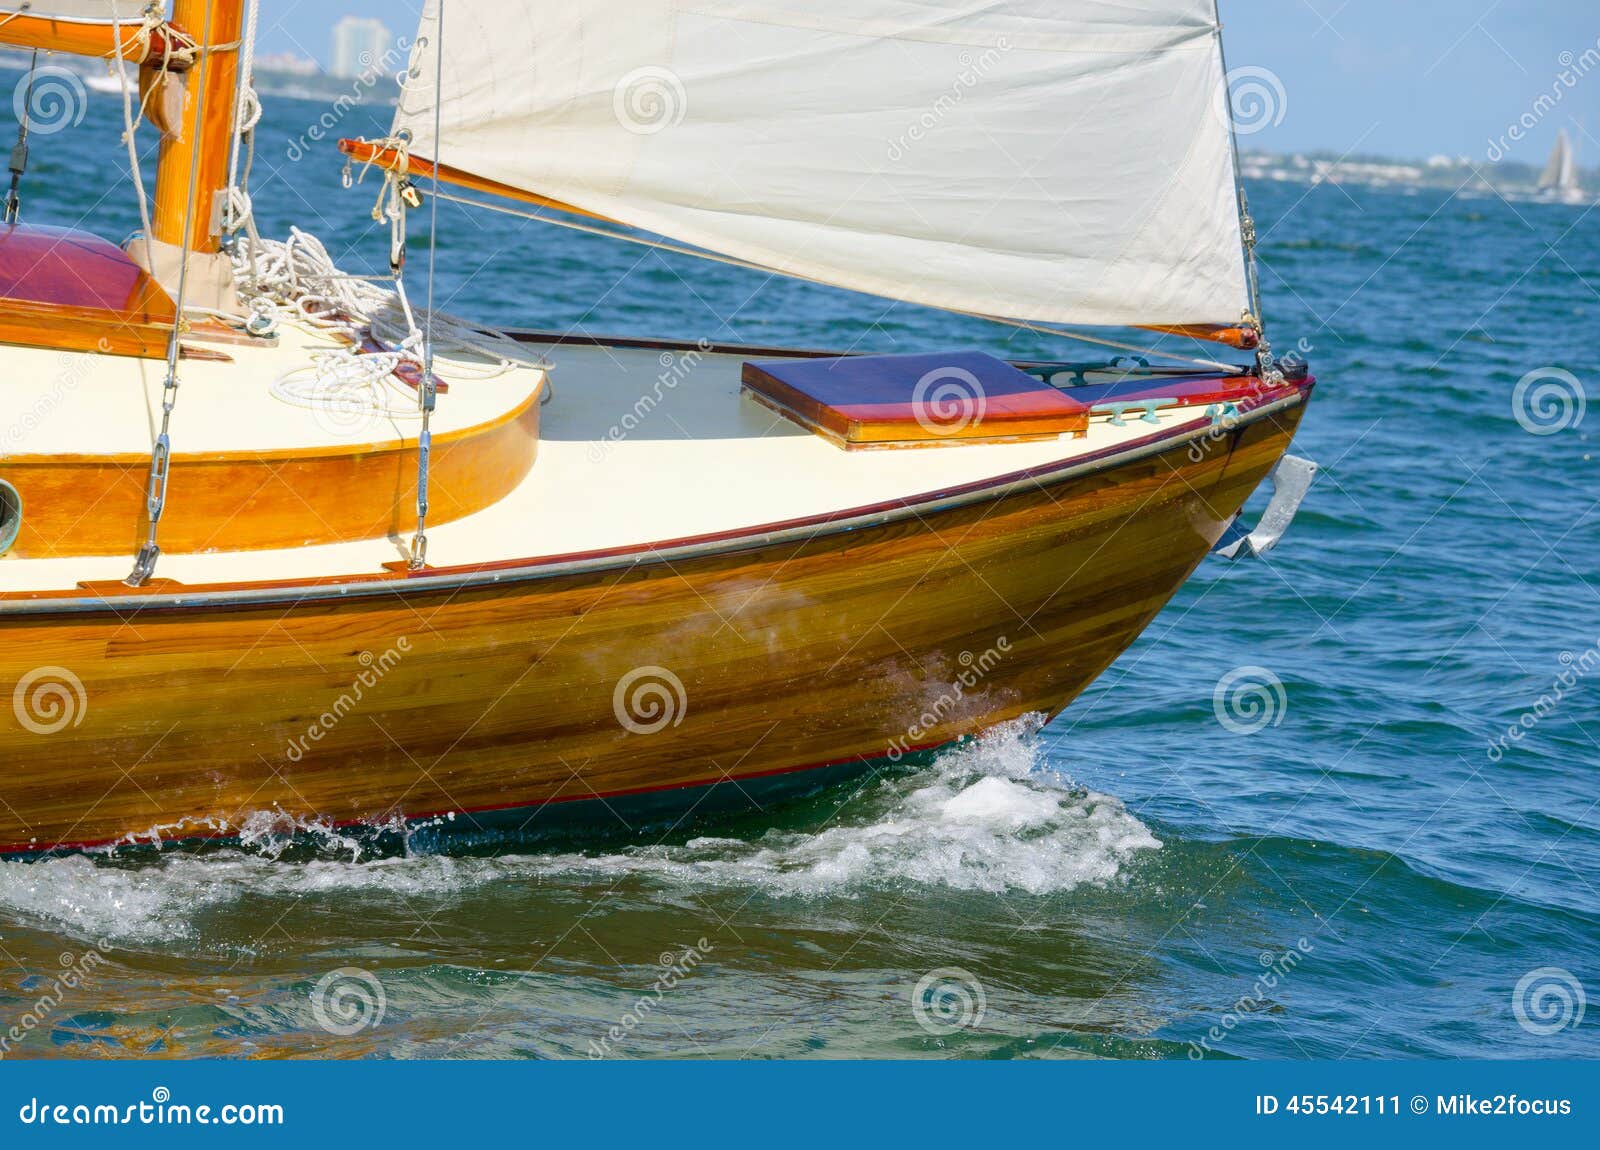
(1050, 160)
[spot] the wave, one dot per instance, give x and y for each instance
(988, 816)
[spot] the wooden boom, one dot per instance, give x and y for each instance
(365, 152)
(76, 38)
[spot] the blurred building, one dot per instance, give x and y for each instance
(359, 44)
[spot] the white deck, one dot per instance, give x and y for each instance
(79, 403)
(637, 446)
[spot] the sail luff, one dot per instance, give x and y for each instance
(1062, 163)
(1569, 169)
(1557, 166)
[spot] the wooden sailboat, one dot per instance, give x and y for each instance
(383, 576)
(1559, 180)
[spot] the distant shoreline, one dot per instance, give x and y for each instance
(1508, 178)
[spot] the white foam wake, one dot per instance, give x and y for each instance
(989, 816)
(985, 817)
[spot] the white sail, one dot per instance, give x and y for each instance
(1561, 170)
(1050, 160)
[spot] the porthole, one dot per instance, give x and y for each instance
(10, 515)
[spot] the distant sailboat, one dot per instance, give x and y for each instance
(1559, 181)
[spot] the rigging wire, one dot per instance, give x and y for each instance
(367, 377)
(1269, 370)
(130, 127)
(144, 563)
(19, 154)
(428, 386)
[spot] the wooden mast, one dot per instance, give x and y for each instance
(210, 90)
(198, 51)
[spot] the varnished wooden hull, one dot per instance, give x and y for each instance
(825, 644)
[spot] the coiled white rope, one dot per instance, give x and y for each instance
(297, 279)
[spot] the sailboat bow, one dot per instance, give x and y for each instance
(397, 571)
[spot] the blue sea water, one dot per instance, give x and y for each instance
(1289, 822)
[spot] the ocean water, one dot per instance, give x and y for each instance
(1288, 823)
